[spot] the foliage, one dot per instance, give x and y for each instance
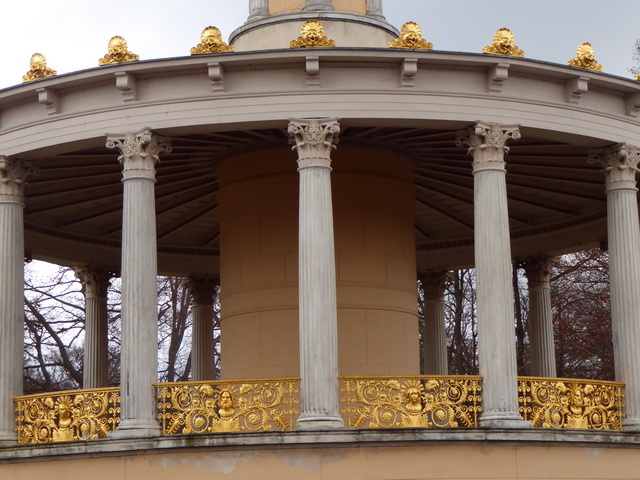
(54, 329)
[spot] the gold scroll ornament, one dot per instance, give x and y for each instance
(67, 416)
(118, 52)
(209, 407)
(411, 402)
(503, 44)
(411, 37)
(568, 403)
(38, 68)
(585, 58)
(211, 42)
(312, 35)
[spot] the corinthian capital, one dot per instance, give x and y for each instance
(95, 280)
(314, 139)
(140, 151)
(202, 288)
(538, 270)
(434, 282)
(13, 176)
(487, 143)
(619, 164)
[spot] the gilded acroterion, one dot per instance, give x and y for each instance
(637, 77)
(411, 37)
(503, 44)
(38, 68)
(586, 58)
(312, 35)
(118, 52)
(211, 42)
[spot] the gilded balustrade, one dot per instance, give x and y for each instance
(570, 403)
(67, 416)
(228, 406)
(411, 402)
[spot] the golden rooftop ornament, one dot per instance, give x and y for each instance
(637, 77)
(312, 35)
(211, 42)
(118, 52)
(585, 58)
(503, 44)
(38, 68)
(411, 37)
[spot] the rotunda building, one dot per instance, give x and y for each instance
(315, 168)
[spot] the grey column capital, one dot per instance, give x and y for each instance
(95, 280)
(314, 139)
(139, 152)
(202, 288)
(487, 143)
(13, 178)
(619, 164)
(538, 270)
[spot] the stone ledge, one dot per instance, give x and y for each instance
(319, 439)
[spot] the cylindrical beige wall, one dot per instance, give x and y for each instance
(375, 256)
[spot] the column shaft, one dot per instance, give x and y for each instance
(620, 165)
(139, 357)
(435, 337)
(12, 176)
(95, 281)
(258, 9)
(496, 344)
(314, 140)
(203, 344)
(318, 6)
(542, 346)
(374, 8)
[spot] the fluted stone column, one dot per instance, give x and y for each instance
(95, 282)
(202, 290)
(314, 139)
(258, 9)
(13, 174)
(139, 357)
(620, 166)
(435, 336)
(374, 8)
(318, 6)
(542, 347)
(496, 343)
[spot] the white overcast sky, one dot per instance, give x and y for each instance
(73, 34)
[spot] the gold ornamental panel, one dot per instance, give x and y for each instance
(570, 403)
(228, 406)
(67, 416)
(411, 402)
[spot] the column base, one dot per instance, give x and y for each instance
(8, 439)
(503, 420)
(317, 422)
(631, 425)
(136, 429)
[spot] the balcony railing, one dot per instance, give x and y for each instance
(67, 416)
(228, 406)
(273, 404)
(570, 403)
(411, 402)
